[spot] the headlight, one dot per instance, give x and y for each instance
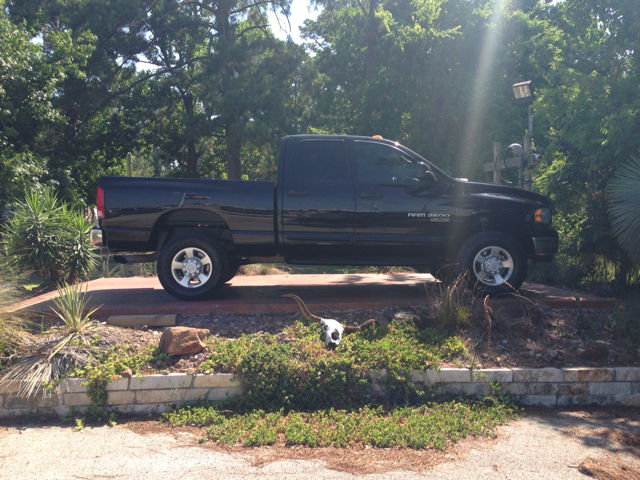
(543, 215)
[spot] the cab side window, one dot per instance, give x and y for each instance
(320, 160)
(378, 163)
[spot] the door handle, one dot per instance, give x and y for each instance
(370, 195)
(293, 193)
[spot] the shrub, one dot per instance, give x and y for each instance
(48, 238)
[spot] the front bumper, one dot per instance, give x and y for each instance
(95, 236)
(545, 248)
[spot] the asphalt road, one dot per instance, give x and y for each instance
(541, 445)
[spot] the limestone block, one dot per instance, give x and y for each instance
(502, 375)
(150, 409)
(417, 376)
(635, 387)
(12, 386)
(609, 388)
(174, 395)
(627, 400)
(530, 388)
(120, 384)
(37, 401)
(76, 399)
(572, 389)
(217, 380)
(73, 385)
(222, 393)
(148, 320)
(541, 400)
(588, 374)
(121, 397)
(448, 375)
(537, 375)
(1, 401)
(473, 389)
(155, 382)
(627, 374)
(568, 400)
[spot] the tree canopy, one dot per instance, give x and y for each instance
(202, 88)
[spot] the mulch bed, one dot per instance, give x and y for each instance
(523, 335)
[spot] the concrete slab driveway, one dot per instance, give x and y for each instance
(541, 445)
(263, 294)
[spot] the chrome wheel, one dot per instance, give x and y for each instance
(493, 266)
(191, 267)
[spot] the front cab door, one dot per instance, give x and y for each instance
(404, 209)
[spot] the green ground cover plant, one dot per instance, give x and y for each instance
(433, 425)
(295, 371)
(298, 392)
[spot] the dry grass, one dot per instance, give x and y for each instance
(262, 269)
(609, 469)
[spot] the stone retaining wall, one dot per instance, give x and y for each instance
(153, 394)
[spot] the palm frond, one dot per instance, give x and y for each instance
(624, 207)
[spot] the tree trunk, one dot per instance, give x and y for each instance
(233, 143)
(192, 155)
(372, 40)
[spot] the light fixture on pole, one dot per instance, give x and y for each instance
(523, 93)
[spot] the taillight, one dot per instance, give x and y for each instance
(100, 202)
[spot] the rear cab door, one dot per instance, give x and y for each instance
(317, 199)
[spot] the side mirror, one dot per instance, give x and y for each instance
(425, 175)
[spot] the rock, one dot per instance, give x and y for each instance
(552, 353)
(580, 351)
(183, 340)
(128, 373)
(144, 328)
(538, 356)
(532, 353)
(505, 341)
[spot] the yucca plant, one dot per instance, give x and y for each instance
(32, 237)
(39, 360)
(624, 207)
(79, 259)
(11, 322)
(49, 239)
(72, 301)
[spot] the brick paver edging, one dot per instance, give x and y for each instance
(529, 386)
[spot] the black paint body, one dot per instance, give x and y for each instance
(328, 206)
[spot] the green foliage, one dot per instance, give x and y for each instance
(48, 238)
(624, 197)
(427, 426)
(300, 374)
(71, 303)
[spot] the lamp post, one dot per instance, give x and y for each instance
(523, 93)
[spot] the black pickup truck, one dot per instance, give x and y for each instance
(337, 200)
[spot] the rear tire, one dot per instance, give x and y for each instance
(495, 262)
(192, 267)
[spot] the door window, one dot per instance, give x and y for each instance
(320, 160)
(378, 163)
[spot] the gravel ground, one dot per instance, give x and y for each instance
(541, 445)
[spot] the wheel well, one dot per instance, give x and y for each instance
(518, 231)
(190, 222)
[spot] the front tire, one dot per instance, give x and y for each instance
(495, 262)
(192, 267)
